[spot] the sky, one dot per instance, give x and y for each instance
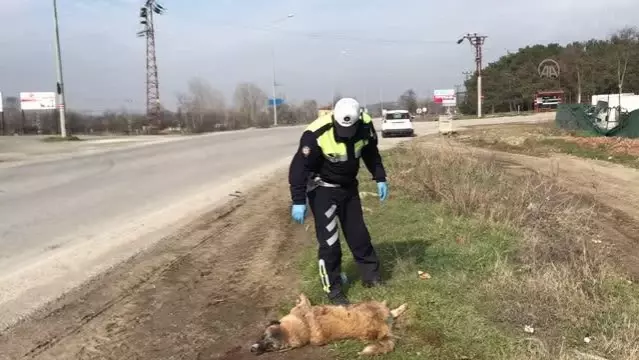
(369, 49)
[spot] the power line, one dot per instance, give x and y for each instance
(153, 109)
(340, 36)
(477, 41)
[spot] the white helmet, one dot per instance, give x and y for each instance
(347, 113)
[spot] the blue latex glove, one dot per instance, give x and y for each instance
(298, 213)
(382, 190)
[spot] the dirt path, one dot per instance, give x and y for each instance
(204, 293)
(613, 188)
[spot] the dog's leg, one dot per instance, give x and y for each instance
(303, 301)
(395, 313)
(382, 346)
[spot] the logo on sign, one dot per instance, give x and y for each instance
(548, 68)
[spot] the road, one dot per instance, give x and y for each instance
(66, 220)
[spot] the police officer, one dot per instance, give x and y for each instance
(325, 168)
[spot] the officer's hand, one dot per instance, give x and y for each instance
(298, 213)
(382, 190)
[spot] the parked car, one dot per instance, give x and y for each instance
(397, 122)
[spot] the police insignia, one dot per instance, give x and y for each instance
(306, 150)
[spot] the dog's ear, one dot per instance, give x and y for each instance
(274, 322)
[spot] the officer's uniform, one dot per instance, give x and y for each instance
(325, 169)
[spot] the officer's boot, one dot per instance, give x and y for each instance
(338, 298)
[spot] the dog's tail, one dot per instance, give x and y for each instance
(383, 346)
(395, 313)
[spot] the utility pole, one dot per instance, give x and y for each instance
(153, 109)
(477, 41)
(273, 64)
(60, 83)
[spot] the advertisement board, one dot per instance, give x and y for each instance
(37, 101)
(445, 97)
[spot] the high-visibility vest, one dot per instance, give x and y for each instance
(333, 150)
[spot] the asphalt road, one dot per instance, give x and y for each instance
(67, 219)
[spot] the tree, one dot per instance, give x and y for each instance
(590, 67)
(250, 101)
(203, 107)
(408, 100)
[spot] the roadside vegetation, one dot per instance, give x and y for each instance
(512, 266)
(53, 139)
(546, 139)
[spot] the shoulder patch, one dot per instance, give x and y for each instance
(306, 151)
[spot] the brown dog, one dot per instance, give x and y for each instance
(305, 324)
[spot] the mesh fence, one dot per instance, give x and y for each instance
(594, 119)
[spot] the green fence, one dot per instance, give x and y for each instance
(592, 119)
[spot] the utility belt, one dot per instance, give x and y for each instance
(315, 181)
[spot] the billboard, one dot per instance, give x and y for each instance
(1, 102)
(37, 101)
(445, 97)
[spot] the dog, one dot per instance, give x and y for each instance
(369, 321)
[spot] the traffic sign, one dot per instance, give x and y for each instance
(278, 102)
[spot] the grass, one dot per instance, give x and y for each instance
(504, 251)
(546, 139)
(600, 152)
(61, 139)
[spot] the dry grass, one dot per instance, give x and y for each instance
(546, 139)
(559, 280)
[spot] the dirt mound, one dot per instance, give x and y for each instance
(204, 293)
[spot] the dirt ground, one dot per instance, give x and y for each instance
(612, 188)
(204, 293)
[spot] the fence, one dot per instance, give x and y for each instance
(596, 120)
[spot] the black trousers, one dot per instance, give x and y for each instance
(327, 205)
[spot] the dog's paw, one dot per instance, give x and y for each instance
(369, 350)
(399, 311)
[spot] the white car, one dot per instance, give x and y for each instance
(397, 122)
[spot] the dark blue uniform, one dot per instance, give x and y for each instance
(325, 169)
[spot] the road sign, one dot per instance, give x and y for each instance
(278, 102)
(445, 97)
(37, 101)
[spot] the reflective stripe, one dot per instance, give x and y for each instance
(329, 213)
(326, 285)
(331, 240)
(331, 225)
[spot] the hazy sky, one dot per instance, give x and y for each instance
(357, 46)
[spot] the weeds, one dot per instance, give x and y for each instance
(506, 248)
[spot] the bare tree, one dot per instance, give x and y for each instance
(250, 101)
(202, 104)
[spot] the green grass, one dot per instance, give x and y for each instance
(457, 252)
(494, 268)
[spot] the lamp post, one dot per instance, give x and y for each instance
(341, 53)
(273, 63)
(60, 83)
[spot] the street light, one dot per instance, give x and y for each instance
(273, 60)
(343, 52)
(60, 83)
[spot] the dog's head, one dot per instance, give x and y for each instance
(273, 339)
